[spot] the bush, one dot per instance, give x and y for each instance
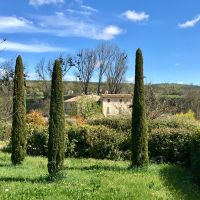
(96, 141)
(5, 131)
(37, 141)
(195, 158)
(35, 117)
(118, 124)
(170, 145)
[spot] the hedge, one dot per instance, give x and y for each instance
(97, 142)
(195, 158)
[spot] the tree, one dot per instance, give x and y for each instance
(44, 70)
(18, 136)
(139, 124)
(6, 85)
(116, 71)
(56, 122)
(105, 56)
(85, 64)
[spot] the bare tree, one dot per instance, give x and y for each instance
(6, 80)
(85, 64)
(105, 56)
(116, 70)
(44, 70)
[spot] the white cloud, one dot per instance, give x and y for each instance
(63, 25)
(108, 33)
(70, 78)
(44, 2)
(32, 76)
(130, 79)
(180, 82)
(2, 60)
(33, 48)
(60, 24)
(190, 23)
(13, 24)
(88, 8)
(134, 16)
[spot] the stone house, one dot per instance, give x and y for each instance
(116, 104)
(112, 104)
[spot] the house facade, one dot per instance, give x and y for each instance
(112, 104)
(116, 104)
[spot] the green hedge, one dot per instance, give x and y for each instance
(96, 142)
(195, 158)
(118, 124)
(169, 141)
(37, 141)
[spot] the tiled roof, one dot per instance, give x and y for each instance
(117, 96)
(75, 99)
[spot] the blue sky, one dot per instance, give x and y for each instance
(168, 32)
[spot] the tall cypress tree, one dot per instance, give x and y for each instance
(56, 123)
(18, 136)
(139, 125)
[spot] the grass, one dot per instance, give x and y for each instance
(94, 179)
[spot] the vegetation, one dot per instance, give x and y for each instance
(18, 136)
(94, 179)
(139, 127)
(56, 123)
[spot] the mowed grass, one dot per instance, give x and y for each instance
(94, 179)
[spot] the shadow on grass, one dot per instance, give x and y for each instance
(23, 179)
(178, 179)
(5, 165)
(98, 167)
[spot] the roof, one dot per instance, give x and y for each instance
(75, 99)
(117, 96)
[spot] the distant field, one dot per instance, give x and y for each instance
(94, 179)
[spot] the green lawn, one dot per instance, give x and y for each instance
(94, 179)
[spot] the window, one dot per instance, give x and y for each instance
(108, 100)
(108, 111)
(120, 100)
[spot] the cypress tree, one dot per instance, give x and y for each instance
(139, 125)
(56, 123)
(18, 136)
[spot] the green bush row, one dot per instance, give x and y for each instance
(118, 124)
(171, 145)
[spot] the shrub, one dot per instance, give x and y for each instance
(195, 157)
(170, 145)
(96, 142)
(37, 142)
(116, 123)
(35, 117)
(5, 131)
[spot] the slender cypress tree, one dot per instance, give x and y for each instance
(56, 123)
(139, 126)
(18, 136)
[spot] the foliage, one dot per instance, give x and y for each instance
(139, 137)
(18, 137)
(95, 142)
(85, 106)
(35, 117)
(56, 140)
(195, 158)
(5, 131)
(120, 124)
(37, 141)
(189, 115)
